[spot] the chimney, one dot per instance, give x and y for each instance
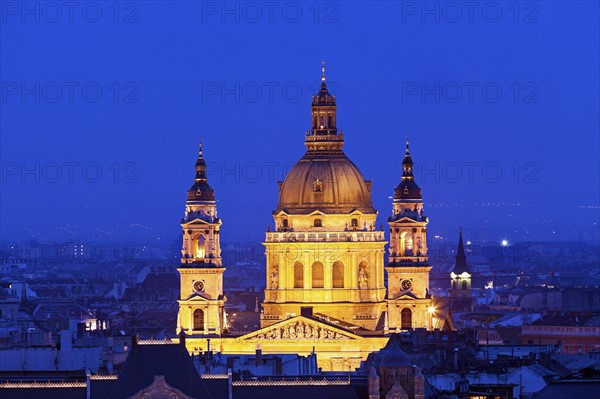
(373, 382)
(258, 357)
(134, 341)
(182, 338)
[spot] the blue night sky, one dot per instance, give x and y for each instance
(500, 103)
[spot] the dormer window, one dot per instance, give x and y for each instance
(318, 223)
(285, 223)
(317, 186)
(405, 190)
(354, 224)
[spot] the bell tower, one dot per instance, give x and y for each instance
(201, 300)
(461, 294)
(408, 298)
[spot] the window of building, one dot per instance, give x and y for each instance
(318, 223)
(406, 319)
(198, 319)
(337, 275)
(318, 275)
(298, 275)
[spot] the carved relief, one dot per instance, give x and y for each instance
(301, 330)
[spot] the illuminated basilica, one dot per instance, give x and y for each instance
(325, 260)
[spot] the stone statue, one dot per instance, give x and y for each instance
(274, 279)
(362, 279)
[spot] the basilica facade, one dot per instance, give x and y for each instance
(325, 259)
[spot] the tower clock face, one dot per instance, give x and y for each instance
(406, 284)
(199, 286)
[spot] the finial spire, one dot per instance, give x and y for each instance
(461, 258)
(407, 149)
(323, 71)
(200, 147)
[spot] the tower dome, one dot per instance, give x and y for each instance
(407, 189)
(200, 190)
(324, 179)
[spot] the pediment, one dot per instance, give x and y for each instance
(301, 328)
(406, 295)
(199, 296)
(317, 213)
(196, 222)
(406, 219)
(160, 389)
(356, 212)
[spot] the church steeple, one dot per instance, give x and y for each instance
(460, 281)
(407, 190)
(407, 164)
(200, 165)
(200, 190)
(461, 259)
(408, 266)
(201, 267)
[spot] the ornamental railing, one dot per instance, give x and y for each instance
(354, 236)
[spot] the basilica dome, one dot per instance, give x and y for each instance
(324, 179)
(330, 184)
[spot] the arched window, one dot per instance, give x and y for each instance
(323, 122)
(464, 285)
(200, 250)
(406, 319)
(354, 223)
(198, 319)
(318, 223)
(330, 121)
(338, 275)
(315, 122)
(298, 275)
(285, 223)
(318, 275)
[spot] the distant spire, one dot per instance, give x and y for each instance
(323, 71)
(461, 258)
(461, 248)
